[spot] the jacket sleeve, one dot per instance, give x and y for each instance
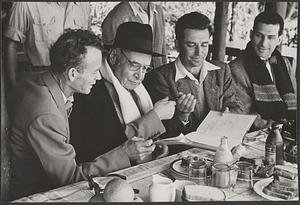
(158, 87)
(47, 135)
(108, 31)
(117, 16)
(164, 46)
(244, 93)
(292, 73)
(18, 24)
(230, 100)
(148, 126)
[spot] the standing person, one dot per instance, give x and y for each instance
(37, 25)
(41, 156)
(262, 75)
(198, 85)
(138, 11)
(119, 107)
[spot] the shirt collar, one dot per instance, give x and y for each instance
(265, 59)
(76, 3)
(136, 8)
(181, 71)
(71, 98)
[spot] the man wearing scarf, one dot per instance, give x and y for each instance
(119, 107)
(261, 73)
(145, 12)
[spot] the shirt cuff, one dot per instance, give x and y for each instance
(185, 122)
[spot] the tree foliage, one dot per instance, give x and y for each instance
(241, 17)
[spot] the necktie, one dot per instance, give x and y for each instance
(69, 105)
(136, 100)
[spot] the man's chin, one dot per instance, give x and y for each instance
(263, 55)
(87, 91)
(197, 64)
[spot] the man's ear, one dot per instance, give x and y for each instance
(177, 46)
(113, 56)
(280, 38)
(251, 34)
(72, 73)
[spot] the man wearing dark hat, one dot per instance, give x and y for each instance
(145, 12)
(263, 76)
(119, 107)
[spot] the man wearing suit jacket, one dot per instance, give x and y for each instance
(42, 157)
(198, 85)
(138, 11)
(119, 107)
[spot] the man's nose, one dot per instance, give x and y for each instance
(197, 49)
(140, 74)
(264, 41)
(98, 76)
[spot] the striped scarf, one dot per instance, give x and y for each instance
(272, 101)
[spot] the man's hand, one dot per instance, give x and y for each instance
(185, 105)
(138, 148)
(225, 110)
(164, 108)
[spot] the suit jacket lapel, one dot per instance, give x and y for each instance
(211, 91)
(55, 91)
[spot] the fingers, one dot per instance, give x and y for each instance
(186, 103)
(137, 138)
(165, 109)
(165, 99)
(142, 146)
(137, 148)
(181, 98)
(193, 105)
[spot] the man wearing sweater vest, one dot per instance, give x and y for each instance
(197, 85)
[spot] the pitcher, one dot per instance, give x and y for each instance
(162, 189)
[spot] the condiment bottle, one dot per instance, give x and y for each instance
(223, 153)
(274, 146)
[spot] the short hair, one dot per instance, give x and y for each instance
(269, 17)
(193, 20)
(70, 48)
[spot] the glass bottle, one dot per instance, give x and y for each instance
(274, 146)
(223, 153)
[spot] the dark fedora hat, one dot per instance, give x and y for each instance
(135, 36)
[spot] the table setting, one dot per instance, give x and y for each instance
(192, 175)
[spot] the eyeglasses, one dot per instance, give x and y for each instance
(134, 66)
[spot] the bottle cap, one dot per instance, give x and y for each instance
(224, 140)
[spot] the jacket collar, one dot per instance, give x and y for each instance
(55, 92)
(181, 71)
(136, 8)
(76, 3)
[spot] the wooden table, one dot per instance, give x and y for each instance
(140, 177)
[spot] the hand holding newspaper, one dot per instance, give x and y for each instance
(214, 126)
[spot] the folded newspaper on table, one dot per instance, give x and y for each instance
(214, 126)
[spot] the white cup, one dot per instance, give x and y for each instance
(162, 189)
(179, 186)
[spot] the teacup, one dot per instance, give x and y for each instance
(162, 189)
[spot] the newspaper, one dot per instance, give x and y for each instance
(214, 126)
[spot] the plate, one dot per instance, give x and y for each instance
(260, 185)
(99, 198)
(178, 169)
